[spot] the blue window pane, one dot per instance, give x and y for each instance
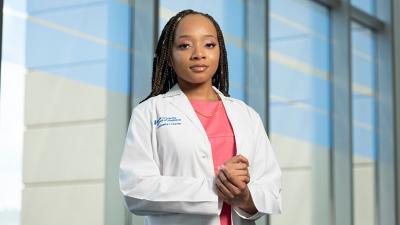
(299, 106)
(364, 65)
(68, 57)
(299, 54)
(363, 79)
(233, 29)
(365, 5)
(95, 40)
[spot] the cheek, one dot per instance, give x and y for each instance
(178, 59)
(215, 58)
(175, 57)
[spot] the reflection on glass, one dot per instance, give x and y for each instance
(365, 5)
(300, 108)
(232, 27)
(66, 56)
(12, 113)
(364, 135)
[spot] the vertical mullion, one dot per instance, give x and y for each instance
(341, 115)
(117, 111)
(1, 36)
(256, 93)
(396, 47)
(144, 39)
(386, 210)
(256, 49)
(145, 36)
(266, 66)
(156, 17)
(128, 217)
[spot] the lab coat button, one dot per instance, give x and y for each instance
(204, 156)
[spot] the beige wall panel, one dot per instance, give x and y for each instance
(361, 159)
(364, 201)
(55, 99)
(80, 204)
(117, 124)
(292, 153)
(64, 153)
(296, 198)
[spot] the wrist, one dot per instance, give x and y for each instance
(248, 204)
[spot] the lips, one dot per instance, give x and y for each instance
(199, 68)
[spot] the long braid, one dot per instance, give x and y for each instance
(164, 76)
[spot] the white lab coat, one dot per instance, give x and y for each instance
(166, 171)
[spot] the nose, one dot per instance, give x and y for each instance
(198, 53)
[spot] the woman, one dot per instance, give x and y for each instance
(194, 155)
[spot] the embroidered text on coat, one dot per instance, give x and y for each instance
(167, 120)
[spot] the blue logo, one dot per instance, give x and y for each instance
(167, 120)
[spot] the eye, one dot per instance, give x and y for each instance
(210, 45)
(183, 46)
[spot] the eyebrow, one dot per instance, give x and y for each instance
(188, 36)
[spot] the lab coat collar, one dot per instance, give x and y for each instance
(176, 90)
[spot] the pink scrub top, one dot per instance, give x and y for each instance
(213, 117)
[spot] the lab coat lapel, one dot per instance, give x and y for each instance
(180, 101)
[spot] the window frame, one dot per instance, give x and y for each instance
(341, 14)
(396, 43)
(382, 24)
(144, 22)
(1, 37)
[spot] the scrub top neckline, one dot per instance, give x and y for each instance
(201, 100)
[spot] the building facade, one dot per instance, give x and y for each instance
(323, 74)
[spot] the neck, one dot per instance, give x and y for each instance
(202, 91)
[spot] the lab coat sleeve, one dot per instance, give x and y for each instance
(146, 191)
(265, 175)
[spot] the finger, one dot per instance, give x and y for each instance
(239, 172)
(222, 195)
(232, 188)
(232, 179)
(224, 199)
(242, 175)
(245, 179)
(240, 166)
(243, 159)
(223, 188)
(240, 158)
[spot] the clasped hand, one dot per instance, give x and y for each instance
(231, 184)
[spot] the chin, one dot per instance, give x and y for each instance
(197, 80)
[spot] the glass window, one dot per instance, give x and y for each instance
(364, 119)
(365, 5)
(230, 17)
(65, 64)
(12, 112)
(300, 107)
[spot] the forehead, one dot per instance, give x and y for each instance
(194, 25)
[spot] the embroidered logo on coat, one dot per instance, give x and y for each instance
(167, 120)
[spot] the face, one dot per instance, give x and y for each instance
(195, 51)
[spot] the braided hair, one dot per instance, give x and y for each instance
(164, 76)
